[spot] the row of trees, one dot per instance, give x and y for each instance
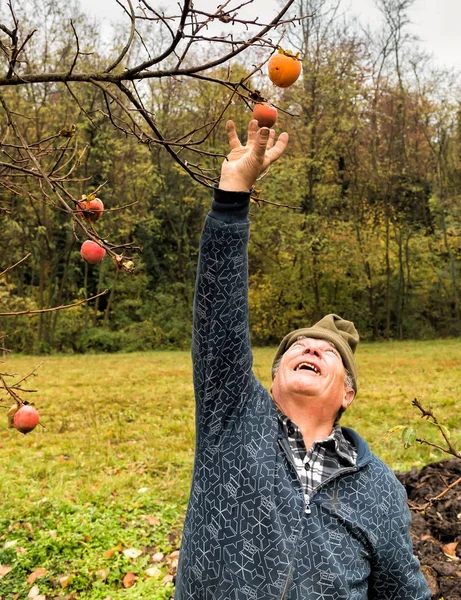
(362, 217)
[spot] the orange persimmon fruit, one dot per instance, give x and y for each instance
(265, 114)
(90, 208)
(284, 68)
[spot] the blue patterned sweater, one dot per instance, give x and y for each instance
(247, 534)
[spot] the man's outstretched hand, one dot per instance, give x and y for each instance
(245, 164)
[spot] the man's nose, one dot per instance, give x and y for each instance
(312, 349)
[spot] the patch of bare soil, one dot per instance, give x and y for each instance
(436, 526)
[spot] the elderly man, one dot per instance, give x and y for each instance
(285, 503)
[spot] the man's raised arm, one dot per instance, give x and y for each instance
(221, 344)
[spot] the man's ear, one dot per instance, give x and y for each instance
(349, 396)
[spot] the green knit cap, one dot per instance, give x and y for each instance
(333, 329)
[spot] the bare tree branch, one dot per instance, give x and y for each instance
(54, 308)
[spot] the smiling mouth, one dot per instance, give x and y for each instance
(305, 366)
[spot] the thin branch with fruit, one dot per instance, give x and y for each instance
(22, 415)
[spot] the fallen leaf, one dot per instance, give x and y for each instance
(153, 572)
(152, 520)
(129, 580)
(132, 553)
(4, 570)
(65, 580)
(157, 557)
(167, 579)
(450, 550)
(110, 553)
(10, 544)
(40, 572)
(428, 538)
(102, 574)
(33, 592)
(174, 554)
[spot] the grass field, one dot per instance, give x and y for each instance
(101, 489)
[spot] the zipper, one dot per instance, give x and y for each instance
(283, 443)
(335, 474)
(307, 498)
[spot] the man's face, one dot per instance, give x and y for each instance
(312, 369)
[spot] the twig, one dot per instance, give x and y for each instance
(431, 501)
(429, 414)
(15, 264)
(54, 308)
(127, 46)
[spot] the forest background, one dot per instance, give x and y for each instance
(361, 217)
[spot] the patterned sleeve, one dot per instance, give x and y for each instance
(396, 573)
(221, 345)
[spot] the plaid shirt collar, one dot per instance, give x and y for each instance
(335, 440)
(320, 462)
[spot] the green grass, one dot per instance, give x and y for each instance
(110, 468)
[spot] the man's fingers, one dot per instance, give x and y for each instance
(253, 129)
(279, 148)
(232, 136)
(271, 140)
(261, 139)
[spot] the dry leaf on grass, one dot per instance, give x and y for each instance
(129, 580)
(132, 553)
(36, 574)
(157, 557)
(151, 520)
(110, 553)
(154, 572)
(33, 592)
(4, 570)
(65, 580)
(102, 574)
